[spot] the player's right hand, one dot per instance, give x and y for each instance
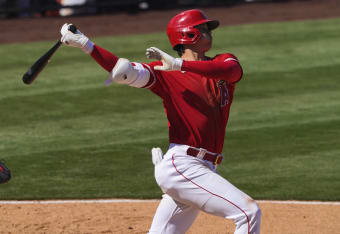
(77, 39)
(169, 63)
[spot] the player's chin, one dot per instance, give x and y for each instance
(206, 44)
(207, 47)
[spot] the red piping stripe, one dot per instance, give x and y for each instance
(173, 163)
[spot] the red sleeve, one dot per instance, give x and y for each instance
(156, 83)
(225, 67)
(153, 74)
(104, 58)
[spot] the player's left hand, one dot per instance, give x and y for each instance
(77, 39)
(169, 63)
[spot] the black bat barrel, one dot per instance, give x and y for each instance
(39, 65)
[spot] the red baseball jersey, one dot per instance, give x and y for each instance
(197, 100)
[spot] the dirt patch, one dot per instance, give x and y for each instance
(35, 29)
(136, 218)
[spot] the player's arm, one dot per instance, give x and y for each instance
(121, 70)
(228, 69)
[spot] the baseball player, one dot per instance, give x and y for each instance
(197, 92)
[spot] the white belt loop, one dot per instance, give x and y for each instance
(201, 153)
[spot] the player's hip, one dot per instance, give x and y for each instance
(177, 167)
(184, 177)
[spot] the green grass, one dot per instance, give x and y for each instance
(68, 136)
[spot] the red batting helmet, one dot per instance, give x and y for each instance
(181, 28)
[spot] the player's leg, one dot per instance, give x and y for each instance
(172, 217)
(195, 183)
(227, 201)
(221, 197)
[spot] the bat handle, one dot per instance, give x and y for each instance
(72, 28)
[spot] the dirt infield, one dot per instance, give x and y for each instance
(136, 217)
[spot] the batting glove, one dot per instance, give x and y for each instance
(157, 155)
(5, 173)
(77, 39)
(169, 63)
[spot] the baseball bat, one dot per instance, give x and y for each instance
(40, 64)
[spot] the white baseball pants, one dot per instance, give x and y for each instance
(192, 185)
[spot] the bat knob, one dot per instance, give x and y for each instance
(72, 28)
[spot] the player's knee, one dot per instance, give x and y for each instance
(254, 216)
(250, 220)
(254, 211)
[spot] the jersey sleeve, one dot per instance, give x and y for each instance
(107, 60)
(156, 83)
(222, 67)
(104, 58)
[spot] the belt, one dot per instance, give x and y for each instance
(205, 155)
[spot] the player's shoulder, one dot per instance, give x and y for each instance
(225, 57)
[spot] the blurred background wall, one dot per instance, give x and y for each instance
(55, 8)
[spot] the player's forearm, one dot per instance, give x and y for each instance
(230, 71)
(121, 70)
(104, 58)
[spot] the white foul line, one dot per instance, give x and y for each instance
(335, 203)
(151, 200)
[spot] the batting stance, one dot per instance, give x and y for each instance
(197, 92)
